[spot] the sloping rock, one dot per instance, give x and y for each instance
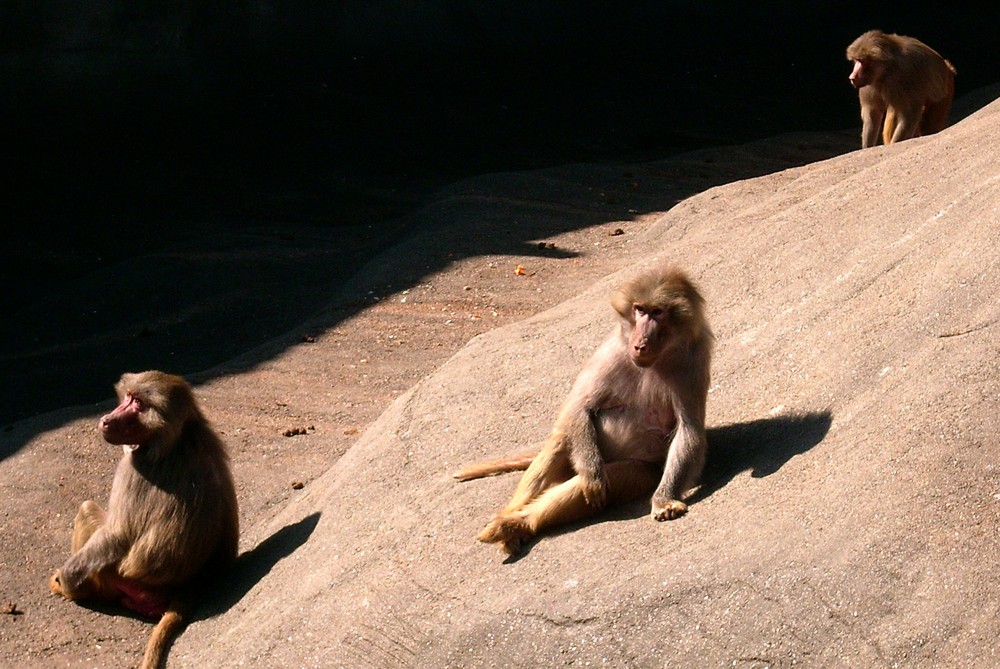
(851, 512)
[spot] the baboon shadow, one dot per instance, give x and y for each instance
(761, 447)
(253, 565)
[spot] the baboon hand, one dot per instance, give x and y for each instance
(594, 486)
(55, 585)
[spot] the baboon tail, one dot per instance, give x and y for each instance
(171, 623)
(517, 463)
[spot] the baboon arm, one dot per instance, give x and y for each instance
(102, 550)
(871, 127)
(873, 114)
(686, 454)
(586, 459)
(576, 429)
(685, 460)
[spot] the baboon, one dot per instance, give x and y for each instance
(634, 420)
(172, 521)
(904, 86)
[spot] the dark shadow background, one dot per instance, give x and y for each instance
(263, 133)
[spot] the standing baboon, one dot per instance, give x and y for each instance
(634, 420)
(904, 86)
(172, 520)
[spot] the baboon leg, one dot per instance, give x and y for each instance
(935, 117)
(889, 126)
(564, 503)
(549, 468)
(90, 517)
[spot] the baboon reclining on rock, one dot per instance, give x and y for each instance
(634, 421)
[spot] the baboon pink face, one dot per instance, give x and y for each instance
(864, 73)
(646, 341)
(124, 425)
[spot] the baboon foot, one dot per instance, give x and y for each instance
(509, 532)
(669, 510)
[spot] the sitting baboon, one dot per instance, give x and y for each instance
(172, 520)
(634, 420)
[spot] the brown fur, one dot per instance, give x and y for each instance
(634, 421)
(905, 87)
(172, 519)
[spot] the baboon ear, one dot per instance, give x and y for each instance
(622, 303)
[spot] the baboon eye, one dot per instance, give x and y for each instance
(140, 404)
(655, 312)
